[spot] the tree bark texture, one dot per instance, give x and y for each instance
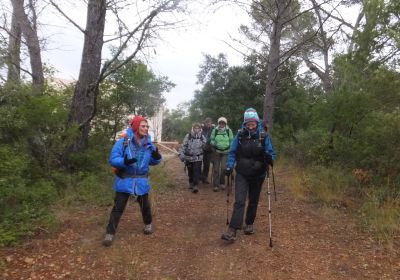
(84, 100)
(273, 64)
(14, 50)
(30, 34)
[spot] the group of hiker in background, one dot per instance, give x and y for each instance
(250, 150)
(203, 145)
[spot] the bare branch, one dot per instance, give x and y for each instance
(67, 17)
(129, 58)
(145, 24)
(302, 13)
(233, 48)
(340, 19)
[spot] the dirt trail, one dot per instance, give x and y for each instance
(187, 245)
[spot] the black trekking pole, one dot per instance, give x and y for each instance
(212, 175)
(273, 181)
(228, 191)
(269, 213)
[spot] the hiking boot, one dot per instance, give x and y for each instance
(195, 189)
(248, 229)
(230, 235)
(108, 239)
(148, 229)
(191, 186)
(215, 189)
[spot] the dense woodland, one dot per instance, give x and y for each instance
(327, 85)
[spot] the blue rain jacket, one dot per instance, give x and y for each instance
(140, 169)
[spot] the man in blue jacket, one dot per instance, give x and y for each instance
(131, 157)
(252, 152)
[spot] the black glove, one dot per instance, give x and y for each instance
(228, 172)
(129, 161)
(155, 154)
(269, 160)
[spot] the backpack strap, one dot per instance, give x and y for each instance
(115, 170)
(240, 135)
(261, 136)
(125, 143)
(227, 132)
(213, 132)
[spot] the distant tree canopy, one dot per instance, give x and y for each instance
(176, 124)
(132, 89)
(227, 91)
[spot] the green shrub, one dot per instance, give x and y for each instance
(30, 210)
(87, 188)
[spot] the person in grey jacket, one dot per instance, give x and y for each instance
(191, 153)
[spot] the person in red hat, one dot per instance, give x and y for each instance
(131, 156)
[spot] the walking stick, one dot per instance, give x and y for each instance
(269, 213)
(273, 181)
(212, 175)
(228, 191)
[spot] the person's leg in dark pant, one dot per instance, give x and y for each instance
(196, 172)
(145, 208)
(222, 169)
(255, 186)
(120, 201)
(190, 172)
(206, 167)
(241, 189)
(216, 170)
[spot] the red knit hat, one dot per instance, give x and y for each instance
(135, 122)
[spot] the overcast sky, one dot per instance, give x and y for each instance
(177, 56)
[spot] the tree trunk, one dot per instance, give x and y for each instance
(84, 100)
(14, 50)
(273, 64)
(30, 34)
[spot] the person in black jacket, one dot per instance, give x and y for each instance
(207, 128)
(252, 152)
